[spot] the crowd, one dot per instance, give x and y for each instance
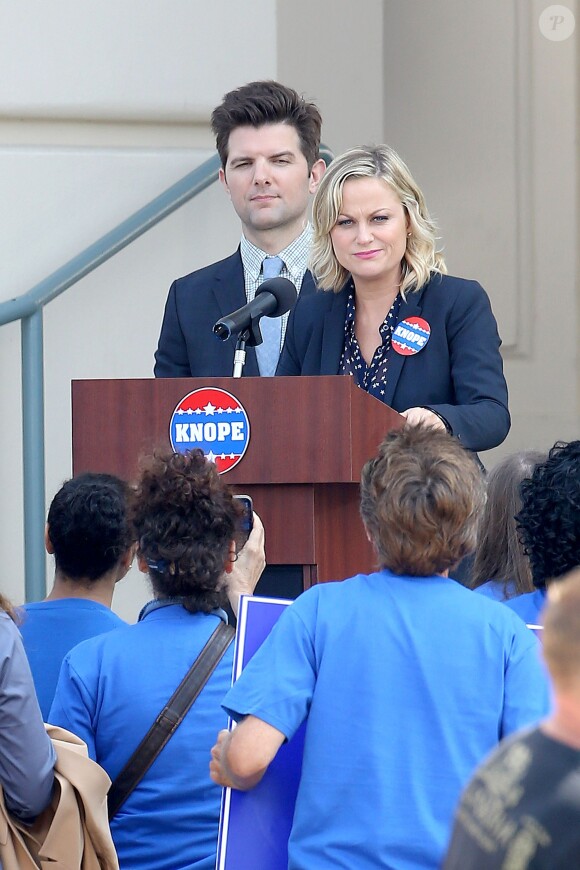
(435, 736)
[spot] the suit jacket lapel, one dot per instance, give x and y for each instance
(229, 286)
(333, 333)
(412, 307)
(230, 294)
(229, 290)
(308, 284)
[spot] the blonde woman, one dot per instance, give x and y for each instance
(415, 338)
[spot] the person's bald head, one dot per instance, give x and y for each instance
(561, 635)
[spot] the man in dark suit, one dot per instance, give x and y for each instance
(268, 138)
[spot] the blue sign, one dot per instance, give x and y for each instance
(255, 825)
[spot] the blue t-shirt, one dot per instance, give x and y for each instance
(497, 590)
(406, 683)
(51, 628)
(529, 606)
(109, 693)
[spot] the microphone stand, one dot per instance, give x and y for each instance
(252, 336)
(240, 353)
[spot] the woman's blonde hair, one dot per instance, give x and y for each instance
(379, 161)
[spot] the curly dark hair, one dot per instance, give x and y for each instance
(549, 521)
(185, 518)
(88, 525)
(267, 102)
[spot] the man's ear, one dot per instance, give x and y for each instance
(223, 180)
(47, 542)
(142, 564)
(316, 173)
(126, 562)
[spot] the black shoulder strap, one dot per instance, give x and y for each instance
(170, 717)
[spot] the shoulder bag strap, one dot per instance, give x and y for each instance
(170, 717)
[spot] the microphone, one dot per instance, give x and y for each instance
(273, 299)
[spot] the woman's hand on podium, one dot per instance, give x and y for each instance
(423, 416)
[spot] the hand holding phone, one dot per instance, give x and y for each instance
(246, 570)
(247, 519)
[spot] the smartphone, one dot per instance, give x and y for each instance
(247, 519)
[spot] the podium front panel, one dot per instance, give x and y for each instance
(308, 440)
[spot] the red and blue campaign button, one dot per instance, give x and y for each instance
(410, 336)
(214, 421)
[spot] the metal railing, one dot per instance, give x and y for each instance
(29, 309)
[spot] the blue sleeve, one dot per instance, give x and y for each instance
(278, 683)
(27, 756)
(73, 705)
(527, 692)
(479, 415)
(171, 359)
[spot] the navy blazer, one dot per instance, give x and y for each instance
(187, 346)
(459, 372)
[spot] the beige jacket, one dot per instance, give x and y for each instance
(73, 831)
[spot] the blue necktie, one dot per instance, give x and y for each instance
(268, 352)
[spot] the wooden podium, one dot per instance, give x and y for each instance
(309, 438)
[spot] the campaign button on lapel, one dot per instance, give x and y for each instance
(410, 336)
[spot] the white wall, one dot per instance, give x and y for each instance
(486, 111)
(114, 109)
(130, 60)
(332, 51)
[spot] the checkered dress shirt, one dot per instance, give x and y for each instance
(295, 258)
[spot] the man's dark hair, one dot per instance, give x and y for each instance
(88, 525)
(267, 102)
(185, 518)
(549, 521)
